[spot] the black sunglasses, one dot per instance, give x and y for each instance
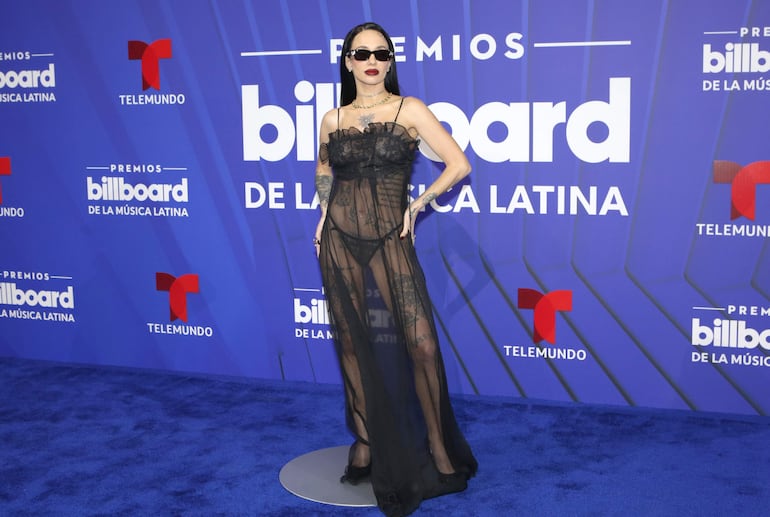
(362, 54)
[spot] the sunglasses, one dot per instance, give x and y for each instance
(362, 54)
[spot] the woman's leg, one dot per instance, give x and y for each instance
(406, 297)
(345, 295)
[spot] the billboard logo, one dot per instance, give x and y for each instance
(11, 294)
(177, 292)
(743, 182)
(34, 83)
(116, 189)
(5, 170)
(317, 312)
(310, 307)
(545, 307)
(29, 78)
(737, 58)
(21, 301)
(729, 334)
(525, 142)
(150, 55)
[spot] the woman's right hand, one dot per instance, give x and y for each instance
(317, 236)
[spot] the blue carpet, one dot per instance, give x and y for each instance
(82, 440)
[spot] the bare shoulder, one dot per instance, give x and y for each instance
(328, 124)
(413, 105)
(416, 115)
(329, 119)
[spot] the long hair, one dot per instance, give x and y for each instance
(348, 83)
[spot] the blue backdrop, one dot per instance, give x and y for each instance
(610, 245)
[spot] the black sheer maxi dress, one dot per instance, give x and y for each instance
(385, 335)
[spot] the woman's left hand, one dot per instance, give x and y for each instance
(410, 215)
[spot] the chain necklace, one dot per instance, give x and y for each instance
(366, 107)
(370, 95)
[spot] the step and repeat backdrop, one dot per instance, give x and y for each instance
(610, 246)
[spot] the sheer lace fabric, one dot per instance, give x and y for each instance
(395, 384)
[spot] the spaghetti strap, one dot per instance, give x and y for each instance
(338, 118)
(397, 113)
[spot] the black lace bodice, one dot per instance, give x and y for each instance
(380, 147)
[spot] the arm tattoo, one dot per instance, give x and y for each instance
(428, 198)
(323, 185)
(425, 201)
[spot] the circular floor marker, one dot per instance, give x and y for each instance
(316, 476)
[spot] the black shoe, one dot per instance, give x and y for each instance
(448, 484)
(454, 482)
(353, 474)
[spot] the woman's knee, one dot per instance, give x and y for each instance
(424, 350)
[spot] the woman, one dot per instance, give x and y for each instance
(397, 404)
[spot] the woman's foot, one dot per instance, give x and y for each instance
(445, 467)
(441, 461)
(359, 463)
(447, 484)
(451, 483)
(354, 475)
